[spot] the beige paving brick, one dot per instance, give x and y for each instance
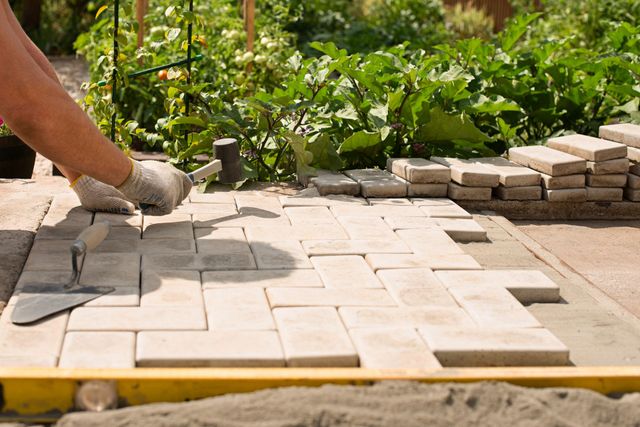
(625, 133)
(63, 201)
(366, 228)
(213, 208)
(422, 201)
(124, 233)
(329, 183)
(137, 319)
(119, 220)
(314, 337)
(563, 182)
(379, 210)
(407, 222)
(223, 235)
(329, 200)
(391, 201)
(384, 348)
(633, 181)
(493, 307)
(495, 347)
(404, 317)
(419, 171)
(261, 279)
(148, 246)
(222, 241)
(50, 255)
(633, 154)
(31, 361)
(120, 297)
(353, 247)
(468, 172)
(607, 167)
(199, 262)
(588, 147)
(238, 308)
(171, 289)
(632, 195)
(547, 160)
(217, 197)
(59, 232)
(519, 193)
(332, 297)
(111, 350)
(511, 174)
(223, 349)
(527, 286)
(282, 255)
(276, 233)
(378, 183)
(609, 181)
(600, 194)
(463, 230)
(416, 287)
(116, 270)
(345, 272)
(246, 217)
(258, 204)
(459, 192)
(174, 226)
(429, 241)
(427, 190)
(67, 217)
(566, 195)
(434, 262)
(310, 215)
(451, 210)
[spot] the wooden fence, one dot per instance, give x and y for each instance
(499, 10)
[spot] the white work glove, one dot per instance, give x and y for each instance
(96, 196)
(156, 187)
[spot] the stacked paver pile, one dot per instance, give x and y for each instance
(425, 178)
(563, 174)
(248, 280)
(607, 165)
(516, 181)
(629, 135)
(470, 180)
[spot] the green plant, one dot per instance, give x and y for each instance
(4, 129)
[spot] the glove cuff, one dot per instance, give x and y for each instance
(133, 181)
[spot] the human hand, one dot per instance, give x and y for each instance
(96, 196)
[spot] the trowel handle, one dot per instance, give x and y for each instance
(213, 167)
(92, 236)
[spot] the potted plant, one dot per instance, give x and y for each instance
(16, 158)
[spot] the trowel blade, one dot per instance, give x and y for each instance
(39, 301)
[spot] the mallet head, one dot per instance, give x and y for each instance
(228, 152)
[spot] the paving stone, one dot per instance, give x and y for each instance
(493, 307)
(393, 201)
(458, 192)
(378, 183)
(238, 308)
(223, 235)
(116, 270)
(30, 361)
(199, 262)
(416, 287)
(261, 279)
(404, 317)
(632, 195)
(565, 195)
(547, 160)
(601, 194)
(345, 272)
(625, 133)
(329, 200)
(607, 167)
(214, 208)
(519, 193)
(455, 346)
(633, 181)
(378, 210)
(282, 255)
(295, 233)
(617, 180)
(463, 230)
(563, 182)
(332, 297)
(419, 171)
(248, 217)
(427, 190)
(511, 174)
(174, 226)
(137, 319)
(310, 215)
(58, 232)
(120, 297)
(406, 222)
(256, 203)
(353, 247)
(633, 154)
(588, 147)
(384, 348)
(335, 183)
(430, 241)
(34, 341)
(366, 228)
(314, 337)
(87, 350)
(124, 233)
(435, 202)
(468, 172)
(527, 286)
(451, 210)
(119, 220)
(148, 246)
(63, 201)
(223, 349)
(67, 218)
(634, 168)
(217, 197)
(50, 255)
(171, 289)
(434, 262)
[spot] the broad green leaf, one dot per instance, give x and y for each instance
(324, 153)
(190, 120)
(478, 103)
(329, 49)
(360, 141)
(516, 30)
(449, 127)
(378, 115)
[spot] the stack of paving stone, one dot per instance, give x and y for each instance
(378, 183)
(629, 135)
(563, 174)
(425, 178)
(516, 181)
(607, 164)
(470, 180)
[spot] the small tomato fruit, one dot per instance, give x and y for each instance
(162, 74)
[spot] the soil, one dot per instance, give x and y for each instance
(395, 404)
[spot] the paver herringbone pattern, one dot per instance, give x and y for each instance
(254, 280)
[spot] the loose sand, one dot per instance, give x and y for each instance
(394, 404)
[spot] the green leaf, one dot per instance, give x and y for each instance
(102, 9)
(378, 115)
(191, 120)
(324, 153)
(516, 30)
(449, 127)
(360, 141)
(478, 103)
(329, 49)
(173, 34)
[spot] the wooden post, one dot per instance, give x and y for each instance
(249, 26)
(141, 11)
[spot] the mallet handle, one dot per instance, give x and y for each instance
(213, 167)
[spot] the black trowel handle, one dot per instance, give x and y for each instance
(91, 237)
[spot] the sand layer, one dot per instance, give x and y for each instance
(397, 404)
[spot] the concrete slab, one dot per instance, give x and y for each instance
(547, 160)
(588, 147)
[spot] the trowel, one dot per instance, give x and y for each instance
(37, 301)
